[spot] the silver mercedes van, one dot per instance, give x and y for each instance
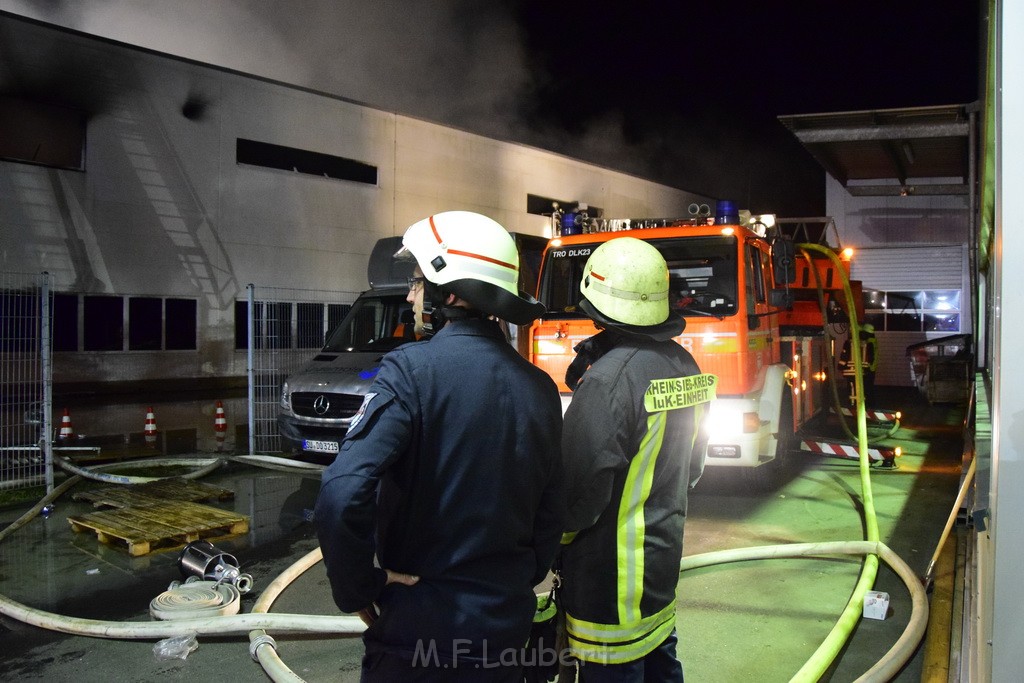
(318, 402)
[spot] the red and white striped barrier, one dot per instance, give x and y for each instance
(875, 415)
(843, 450)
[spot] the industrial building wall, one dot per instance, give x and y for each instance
(164, 217)
(911, 250)
(914, 219)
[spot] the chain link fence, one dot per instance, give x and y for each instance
(26, 448)
(286, 327)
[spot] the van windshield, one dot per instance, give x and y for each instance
(377, 322)
(702, 272)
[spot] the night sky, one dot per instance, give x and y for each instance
(688, 83)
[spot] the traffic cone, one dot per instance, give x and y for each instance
(66, 430)
(149, 432)
(220, 426)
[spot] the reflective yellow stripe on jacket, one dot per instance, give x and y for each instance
(634, 636)
(618, 644)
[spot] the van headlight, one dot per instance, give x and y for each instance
(286, 397)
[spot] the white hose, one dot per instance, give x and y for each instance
(95, 472)
(196, 600)
(267, 656)
(272, 462)
(154, 630)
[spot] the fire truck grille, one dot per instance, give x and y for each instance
(324, 405)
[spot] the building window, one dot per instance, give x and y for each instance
(241, 324)
(181, 327)
(145, 323)
(309, 332)
(103, 323)
(19, 321)
(65, 322)
(42, 134)
(283, 158)
(933, 310)
(153, 323)
(273, 324)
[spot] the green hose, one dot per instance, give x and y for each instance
(826, 653)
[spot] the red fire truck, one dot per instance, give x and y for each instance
(754, 318)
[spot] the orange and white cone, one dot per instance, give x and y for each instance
(66, 430)
(220, 426)
(149, 432)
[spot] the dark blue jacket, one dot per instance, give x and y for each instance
(461, 437)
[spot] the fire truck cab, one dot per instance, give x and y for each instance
(752, 319)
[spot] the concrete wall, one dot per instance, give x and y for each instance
(163, 209)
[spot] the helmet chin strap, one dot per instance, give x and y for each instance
(436, 314)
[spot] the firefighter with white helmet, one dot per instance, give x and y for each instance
(473, 257)
(633, 443)
(444, 506)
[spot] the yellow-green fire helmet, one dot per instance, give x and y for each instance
(625, 285)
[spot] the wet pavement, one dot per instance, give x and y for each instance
(756, 621)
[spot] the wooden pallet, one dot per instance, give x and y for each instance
(140, 495)
(159, 525)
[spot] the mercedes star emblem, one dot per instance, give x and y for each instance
(322, 404)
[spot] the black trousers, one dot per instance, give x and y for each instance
(659, 666)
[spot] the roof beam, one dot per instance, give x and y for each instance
(905, 190)
(894, 132)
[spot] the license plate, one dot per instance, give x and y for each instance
(320, 446)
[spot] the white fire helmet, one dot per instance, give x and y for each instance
(475, 258)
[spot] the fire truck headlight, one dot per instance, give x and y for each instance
(547, 347)
(726, 423)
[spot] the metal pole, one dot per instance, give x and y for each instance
(47, 369)
(250, 367)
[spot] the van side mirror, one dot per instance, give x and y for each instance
(783, 260)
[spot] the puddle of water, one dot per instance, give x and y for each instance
(180, 427)
(49, 565)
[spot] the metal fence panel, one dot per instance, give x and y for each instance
(286, 328)
(26, 451)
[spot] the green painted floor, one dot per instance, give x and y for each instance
(749, 621)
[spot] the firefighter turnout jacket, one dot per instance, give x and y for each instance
(452, 473)
(632, 448)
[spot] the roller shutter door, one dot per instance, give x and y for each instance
(911, 269)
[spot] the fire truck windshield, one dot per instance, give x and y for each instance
(702, 271)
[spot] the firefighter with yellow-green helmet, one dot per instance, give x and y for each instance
(633, 443)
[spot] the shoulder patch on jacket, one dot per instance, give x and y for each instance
(679, 392)
(372, 403)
